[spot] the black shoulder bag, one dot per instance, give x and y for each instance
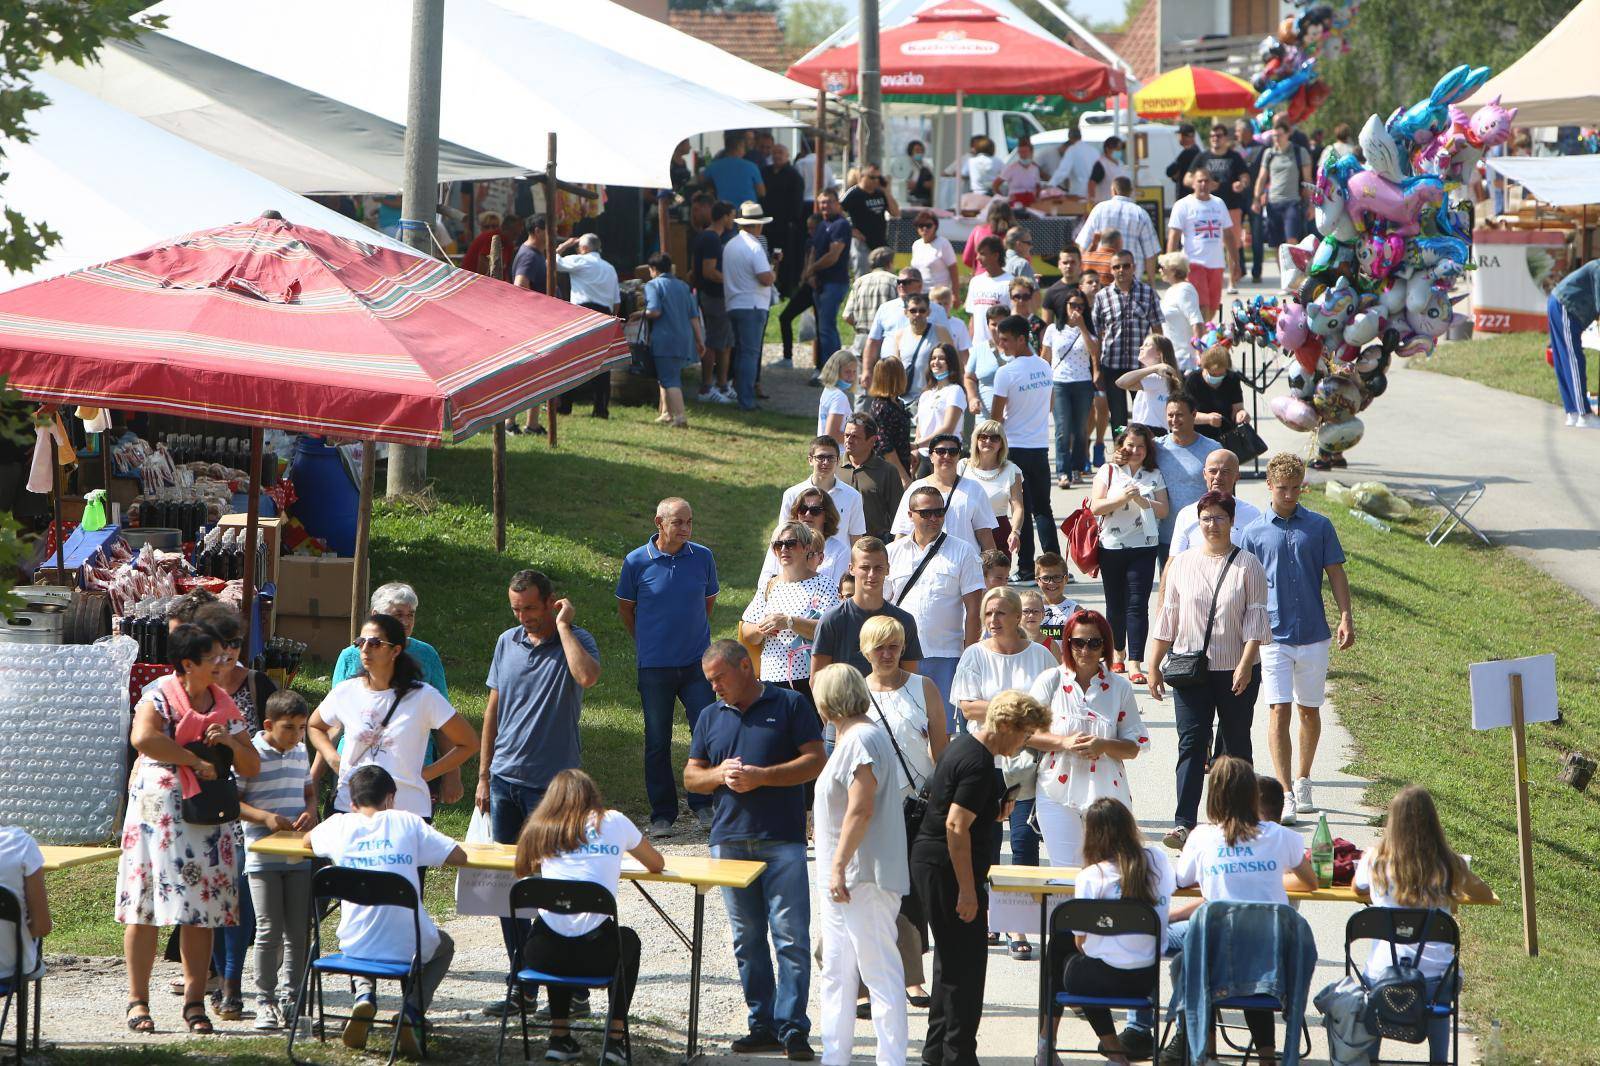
(1397, 998)
(915, 806)
(933, 549)
(1188, 669)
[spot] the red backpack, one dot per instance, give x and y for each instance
(1082, 530)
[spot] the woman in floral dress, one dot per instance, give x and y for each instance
(171, 872)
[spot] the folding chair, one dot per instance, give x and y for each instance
(560, 897)
(14, 985)
(366, 888)
(1455, 513)
(1404, 925)
(1106, 917)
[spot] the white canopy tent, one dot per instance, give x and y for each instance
(1556, 82)
(1561, 181)
(112, 184)
(302, 140)
(509, 79)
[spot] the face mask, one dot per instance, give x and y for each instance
(846, 386)
(1214, 379)
(917, 158)
(941, 375)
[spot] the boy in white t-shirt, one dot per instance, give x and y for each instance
(376, 836)
(22, 872)
(1202, 229)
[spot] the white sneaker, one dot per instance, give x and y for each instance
(268, 1017)
(1573, 418)
(1587, 422)
(726, 395)
(1291, 809)
(1302, 795)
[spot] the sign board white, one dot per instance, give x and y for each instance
(1491, 691)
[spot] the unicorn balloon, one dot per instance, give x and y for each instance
(1454, 152)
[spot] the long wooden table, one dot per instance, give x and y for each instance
(62, 856)
(701, 872)
(1046, 881)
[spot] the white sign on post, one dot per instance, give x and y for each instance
(1491, 691)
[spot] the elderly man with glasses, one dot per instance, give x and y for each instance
(937, 577)
(1125, 312)
(823, 458)
(891, 316)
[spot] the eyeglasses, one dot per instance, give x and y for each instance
(908, 281)
(944, 451)
(1049, 579)
(824, 457)
(926, 225)
(929, 512)
(1087, 643)
(372, 642)
(785, 545)
(1214, 519)
(916, 310)
(220, 660)
(812, 509)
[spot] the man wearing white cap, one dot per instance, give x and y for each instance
(747, 277)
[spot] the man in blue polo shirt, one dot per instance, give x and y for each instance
(1296, 547)
(753, 751)
(530, 724)
(665, 596)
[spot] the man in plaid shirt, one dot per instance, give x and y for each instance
(871, 291)
(1123, 214)
(1125, 312)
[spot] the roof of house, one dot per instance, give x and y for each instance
(1140, 43)
(755, 36)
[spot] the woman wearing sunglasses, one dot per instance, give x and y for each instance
(815, 509)
(934, 256)
(388, 712)
(781, 621)
(1094, 727)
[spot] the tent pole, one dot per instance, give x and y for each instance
(497, 461)
(961, 138)
(551, 192)
(252, 537)
(818, 164)
(359, 572)
(938, 152)
(57, 487)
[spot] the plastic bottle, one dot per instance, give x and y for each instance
(1494, 1045)
(1381, 527)
(1322, 853)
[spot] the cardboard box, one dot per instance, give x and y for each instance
(315, 587)
(324, 638)
(270, 530)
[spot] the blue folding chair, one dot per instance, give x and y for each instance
(365, 888)
(559, 897)
(14, 985)
(1107, 917)
(1415, 926)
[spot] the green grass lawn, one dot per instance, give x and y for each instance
(1510, 361)
(1422, 615)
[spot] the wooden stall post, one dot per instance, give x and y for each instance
(251, 539)
(57, 487)
(819, 168)
(359, 572)
(497, 462)
(1519, 760)
(551, 194)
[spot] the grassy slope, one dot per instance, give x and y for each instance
(1513, 362)
(1422, 615)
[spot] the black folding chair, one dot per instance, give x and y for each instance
(366, 888)
(1398, 926)
(14, 985)
(560, 897)
(1106, 917)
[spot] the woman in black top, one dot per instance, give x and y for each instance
(950, 865)
(1218, 393)
(894, 419)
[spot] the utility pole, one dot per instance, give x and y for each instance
(419, 196)
(870, 81)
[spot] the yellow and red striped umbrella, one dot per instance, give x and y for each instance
(1194, 92)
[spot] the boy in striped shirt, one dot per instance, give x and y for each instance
(280, 798)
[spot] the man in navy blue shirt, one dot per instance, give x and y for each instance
(753, 751)
(828, 271)
(665, 597)
(1296, 547)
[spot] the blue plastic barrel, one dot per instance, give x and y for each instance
(328, 494)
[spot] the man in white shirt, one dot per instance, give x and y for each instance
(824, 460)
(1022, 391)
(944, 598)
(1077, 161)
(747, 277)
(594, 285)
(1221, 472)
(1122, 214)
(1201, 228)
(971, 516)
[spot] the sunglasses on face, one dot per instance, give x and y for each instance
(916, 310)
(1121, 266)
(944, 451)
(928, 512)
(785, 545)
(372, 642)
(812, 509)
(1087, 643)
(926, 225)
(991, 437)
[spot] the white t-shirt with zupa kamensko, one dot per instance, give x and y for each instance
(1250, 871)
(1202, 224)
(1025, 384)
(1436, 957)
(398, 747)
(392, 841)
(984, 292)
(20, 858)
(1103, 880)
(598, 861)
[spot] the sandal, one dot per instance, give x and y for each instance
(994, 938)
(140, 1023)
(1021, 949)
(230, 1010)
(194, 1016)
(1139, 679)
(1119, 668)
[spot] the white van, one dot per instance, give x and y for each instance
(1157, 145)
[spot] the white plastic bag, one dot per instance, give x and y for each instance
(806, 329)
(485, 893)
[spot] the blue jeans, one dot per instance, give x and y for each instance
(229, 943)
(1071, 402)
(661, 688)
(779, 902)
(943, 673)
(748, 327)
(1024, 841)
(509, 806)
(829, 298)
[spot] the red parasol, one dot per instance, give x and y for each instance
(965, 46)
(271, 324)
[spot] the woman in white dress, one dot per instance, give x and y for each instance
(1180, 307)
(942, 403)
(816, 509)
(781, 621)
(1000, 479)
(1094, 728)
